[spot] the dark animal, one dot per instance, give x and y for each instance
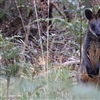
(91, 48)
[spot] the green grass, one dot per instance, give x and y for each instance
(56, 86)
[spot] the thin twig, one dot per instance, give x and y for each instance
(22, 57)
(80, 30)
(38, 25)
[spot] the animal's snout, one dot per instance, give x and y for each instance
(98, 33)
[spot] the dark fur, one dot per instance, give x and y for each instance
(91, 44)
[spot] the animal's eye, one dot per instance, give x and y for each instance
(92, 26)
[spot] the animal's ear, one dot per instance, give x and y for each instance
(98, 12)
(88, 14)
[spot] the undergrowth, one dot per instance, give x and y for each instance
(33, 51)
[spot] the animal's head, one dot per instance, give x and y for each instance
(94, 22)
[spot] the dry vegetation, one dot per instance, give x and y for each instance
(40, 49)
